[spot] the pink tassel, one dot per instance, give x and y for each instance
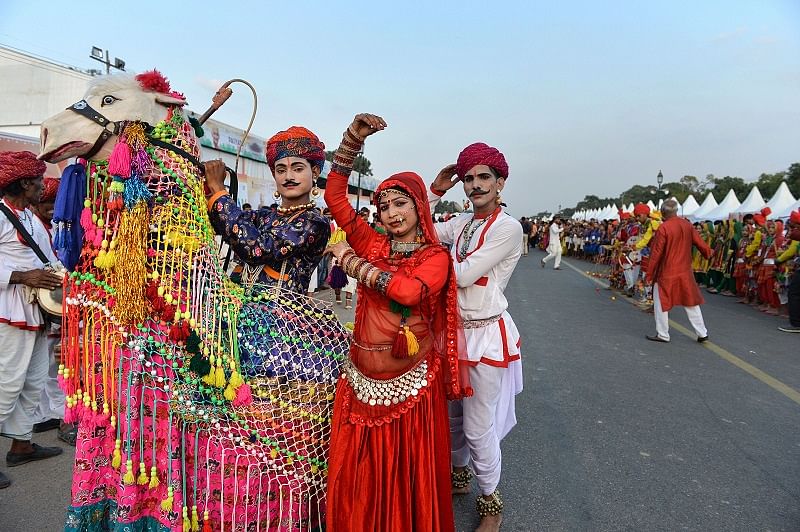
(98, 238)
(243, 396)
(86, 219)
(120, 161)
(69, 415)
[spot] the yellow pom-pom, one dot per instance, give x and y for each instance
(411, 339)
(116, 459)
(143, 478)
(187, 525)
(195, 520)
(128, 478)
(229, 393)
(236, 380)
(219, 380)
(166, 504)
(154, 482)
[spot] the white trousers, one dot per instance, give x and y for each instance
(23, 371)
(662, 317)
(554, 251)
(478, 423)
(51, 405)
(525, 244)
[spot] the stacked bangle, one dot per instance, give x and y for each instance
(364, 271)
(348, 150)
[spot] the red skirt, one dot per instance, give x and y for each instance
(389, 467)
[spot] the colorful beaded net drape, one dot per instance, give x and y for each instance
(201, 406)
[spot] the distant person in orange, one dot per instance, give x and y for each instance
(670, 268)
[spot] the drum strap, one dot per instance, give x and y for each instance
(24, 232)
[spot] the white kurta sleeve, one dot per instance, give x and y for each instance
(505, 242)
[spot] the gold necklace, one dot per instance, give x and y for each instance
(296, 208)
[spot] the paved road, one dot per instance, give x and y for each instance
(615, 433)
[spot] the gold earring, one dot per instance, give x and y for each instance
(276, 195)
(498, 200)
(315, 191)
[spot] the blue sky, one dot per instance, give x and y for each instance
(582, 97)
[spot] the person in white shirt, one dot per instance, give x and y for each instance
(554, 244)
(24, 355)
(485, 247)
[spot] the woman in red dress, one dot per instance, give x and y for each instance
(389, 464)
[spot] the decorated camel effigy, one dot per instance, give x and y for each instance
(201, 405)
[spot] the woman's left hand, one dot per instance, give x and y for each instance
(339, 249)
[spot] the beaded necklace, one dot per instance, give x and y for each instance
(469, 230)
(296, 208)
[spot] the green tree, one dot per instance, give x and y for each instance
(639, 194)
(691, 183)
(793, 179)
(677, 189)
(768, 183)
(361, 164)
(447, 206)
(721, 186)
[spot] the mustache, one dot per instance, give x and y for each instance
(478, 192)
(290, 182)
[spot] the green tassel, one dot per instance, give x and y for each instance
(198, 129)
(199, 364)
(397, 308)
(193, 345)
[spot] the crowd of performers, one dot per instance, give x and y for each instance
(753, 258)
(181, 425)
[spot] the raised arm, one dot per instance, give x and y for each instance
(444, 181)
(359, 234)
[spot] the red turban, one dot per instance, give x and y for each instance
(17, 165)
(624, 215)
(49, 189)
(641, 208)
(761, 218)
(480, 153)
(295, 142)
(794, 217)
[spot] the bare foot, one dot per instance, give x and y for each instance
(490, 523)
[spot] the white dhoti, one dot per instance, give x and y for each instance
(662, 317)
(480, 422)
(23, 371)
(554, 251)
(51, 405)
(630, 276)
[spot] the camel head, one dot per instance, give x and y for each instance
(121, 97)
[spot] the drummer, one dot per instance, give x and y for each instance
(24, 357)
(49, 413)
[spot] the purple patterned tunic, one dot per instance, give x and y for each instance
(264, 237)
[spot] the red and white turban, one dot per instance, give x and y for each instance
(18, 165)
(480, 153)
(49, 189)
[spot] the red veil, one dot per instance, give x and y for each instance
(445, 325)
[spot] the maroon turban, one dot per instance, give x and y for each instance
(641, 208)
(480, 153)
(18, 165)
(49, 189)
(296, 141)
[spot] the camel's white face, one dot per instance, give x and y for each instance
(118, 97)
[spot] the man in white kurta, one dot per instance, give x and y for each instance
(554, 245)
(24, 354)
(485, 247)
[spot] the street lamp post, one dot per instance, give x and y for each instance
(660, 179)
(97, 55)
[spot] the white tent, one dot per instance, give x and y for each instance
(707, 206)
(729, 204)
(651, 205)
(787, 211)
(689, 206)
(630, 207)
(752, 203)
(781, 199)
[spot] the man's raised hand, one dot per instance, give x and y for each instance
(365, 124)
(444, 181)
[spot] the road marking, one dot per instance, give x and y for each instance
(729, 357)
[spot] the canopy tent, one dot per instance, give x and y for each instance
(729, 204)
(630, 207)
(707, 206)
(689, 206)
(752, 203)
(651, 205)
(781, 199)
(785, 213)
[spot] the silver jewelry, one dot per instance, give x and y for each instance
(386, 392)
(466, 235)
(477, 324)
(405, 247)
